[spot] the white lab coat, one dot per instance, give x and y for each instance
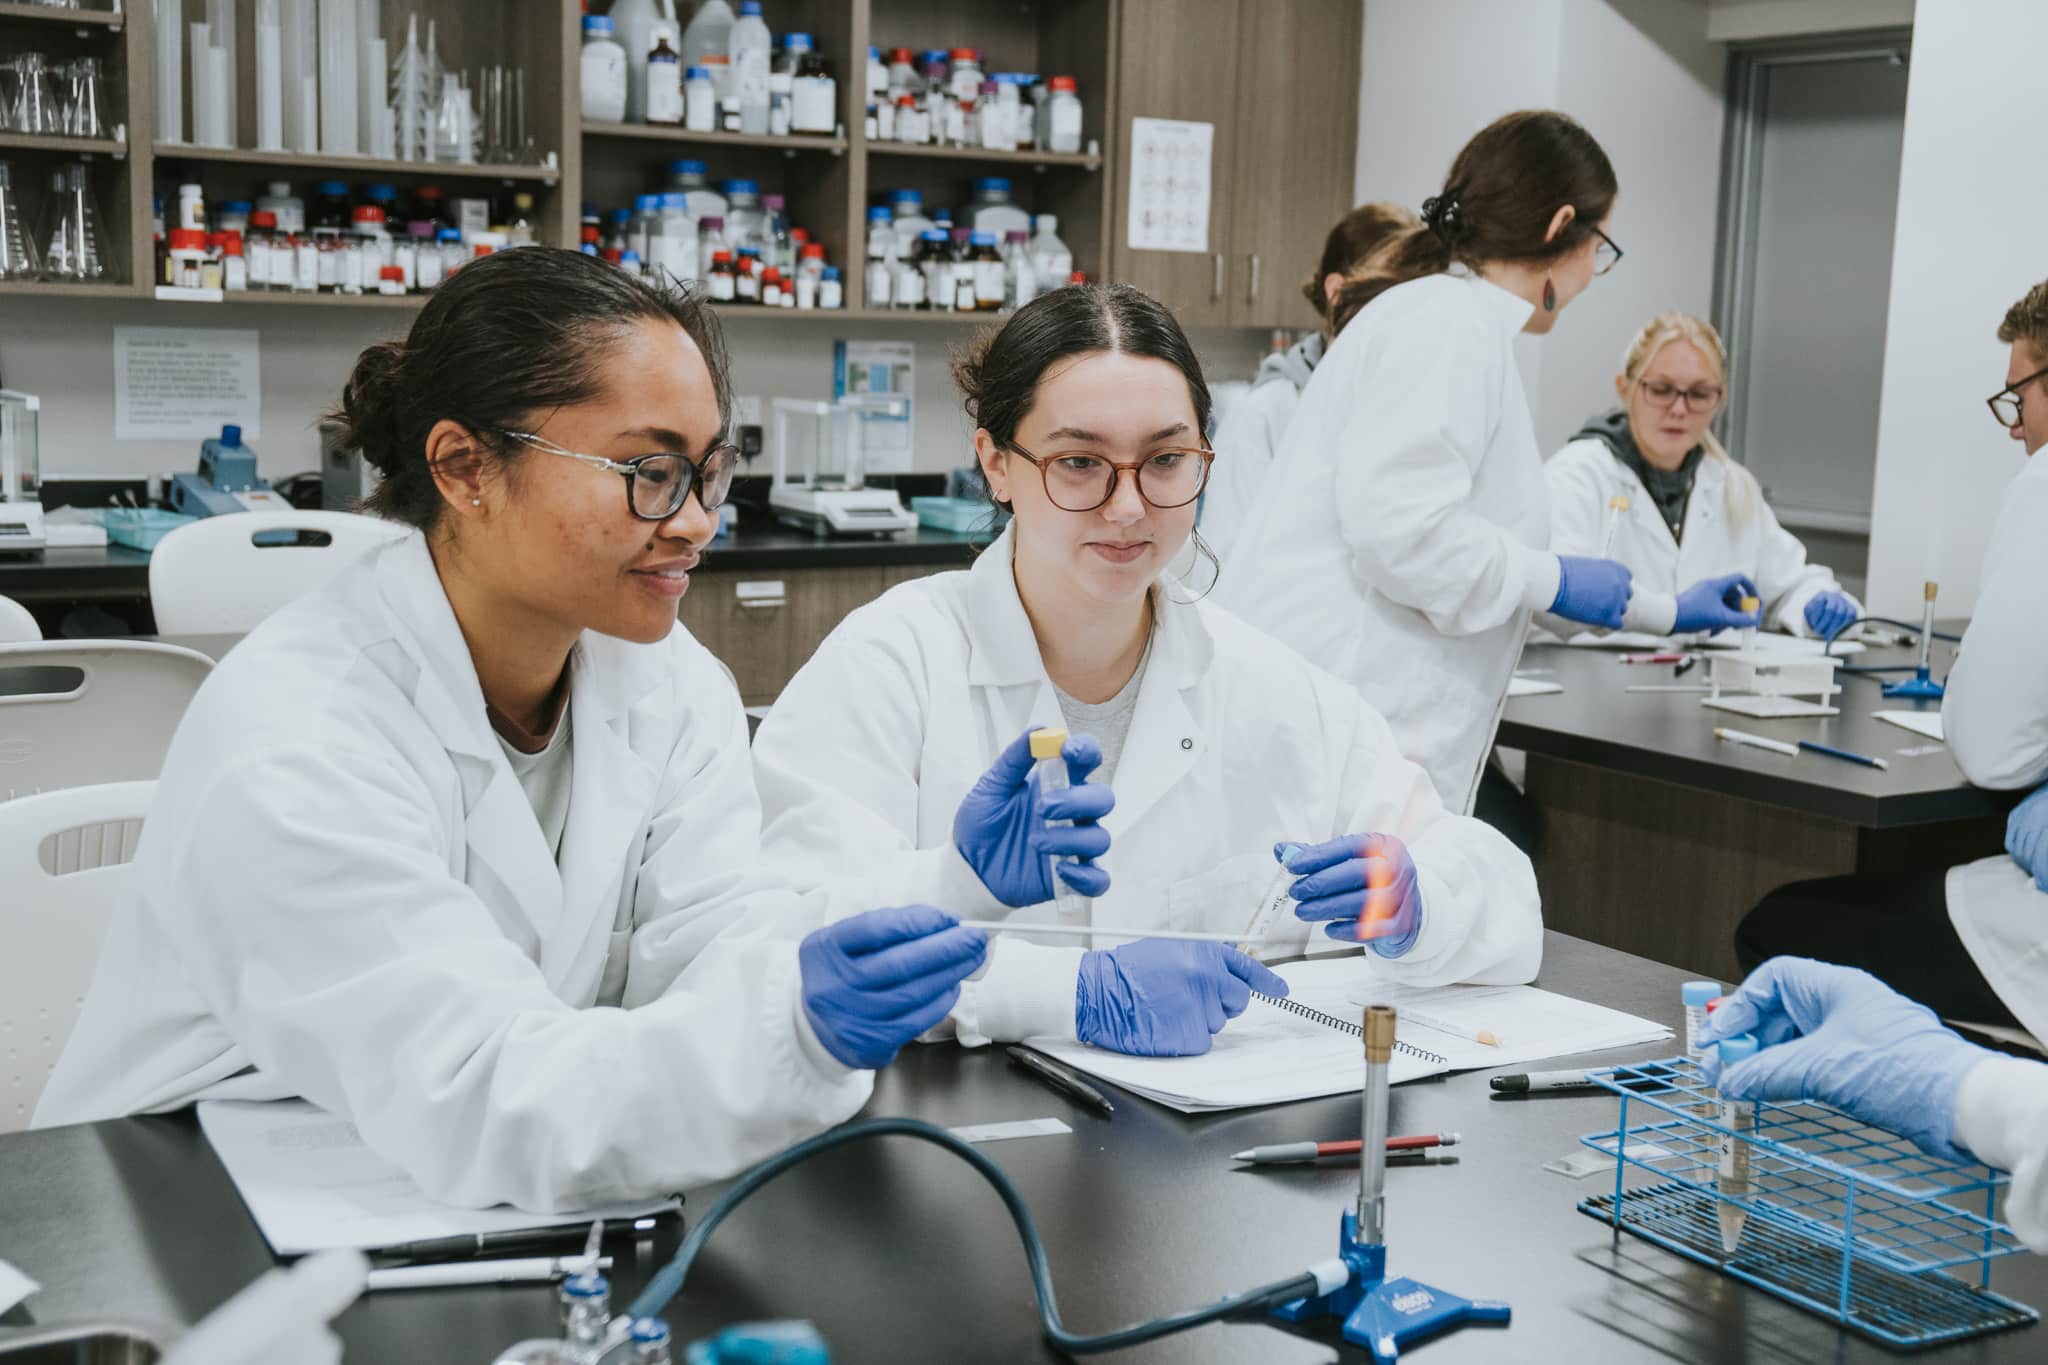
(1249, 436)
(1585, 476)
(1235, 744)
(343, 894)
(1995, 718)
(1401, 539)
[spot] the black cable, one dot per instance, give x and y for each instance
(1873, 670)
(668, 1282)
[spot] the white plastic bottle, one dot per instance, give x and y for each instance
(1020, 278)
(663, 79)
(604, 71)
(750, 49)
(709, 32)
(1061, 112)
(700, 100)
(992, 209)
(1051, 261)
(882, 253)
(633, 24)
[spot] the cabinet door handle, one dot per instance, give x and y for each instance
(1216, 286)
(1252, 294)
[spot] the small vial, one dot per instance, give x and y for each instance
(650, 1341)
(831, 294)
(1697, 995)
(1747, 606)
(1267, 910)
(1048, 752)
(586, 1308)
(1737, 1118)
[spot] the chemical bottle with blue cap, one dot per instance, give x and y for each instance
(992, 210)
(750, 50)
(1736, 1150)
(687, 177)
(746, 222)
(586, 1300)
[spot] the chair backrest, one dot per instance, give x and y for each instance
(78, 712)
(222, 575)
(16, 624)
(64, 859)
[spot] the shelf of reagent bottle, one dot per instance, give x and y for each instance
(790, 144)
(73, 146)
(775, 317)
(277, 297)
(62, 18)
(58, 289)
(330, 166)
(980, 156)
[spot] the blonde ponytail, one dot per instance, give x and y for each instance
(1744, 495)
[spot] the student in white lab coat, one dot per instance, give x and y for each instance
(1402, 538)
(460, 847)
(1250, 432)
(1219, 742)
(1970, 942)
(1650, 485)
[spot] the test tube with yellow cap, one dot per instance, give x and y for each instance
(1749, 606)
(1048, 756)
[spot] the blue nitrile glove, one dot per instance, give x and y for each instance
(873, 982)
(1828, 612)
(1716, 604)
(1001, 827)
(2026, 836)
(1164, 997)
(1592, 591)
(1845, 1038)
(1364, 883)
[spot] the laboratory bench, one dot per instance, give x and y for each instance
(898, 1251)
(1657, 838)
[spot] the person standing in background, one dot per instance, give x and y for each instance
(1249, 436)
(1404, 542)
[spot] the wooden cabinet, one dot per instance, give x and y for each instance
(764, 625)
(1279, 80)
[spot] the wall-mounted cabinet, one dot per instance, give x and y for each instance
(1279, 81)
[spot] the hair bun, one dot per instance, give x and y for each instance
(369, 405)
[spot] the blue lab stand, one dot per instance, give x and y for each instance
(1921, 684)
(1384, 1315)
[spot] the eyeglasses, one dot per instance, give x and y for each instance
(1607, 255)
(657, 485)
(1077, 481)
(1700, 397)
(2007, 400)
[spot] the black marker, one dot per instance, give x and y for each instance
(1062, 1079)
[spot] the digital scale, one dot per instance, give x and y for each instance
(21, 498)
(828, 495)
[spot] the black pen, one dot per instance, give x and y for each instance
(1062, 1079)
(472, 1244)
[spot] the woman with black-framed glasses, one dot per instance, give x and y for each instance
(463, 847)
(1225, 750)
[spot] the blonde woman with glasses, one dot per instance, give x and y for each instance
(1649, 484)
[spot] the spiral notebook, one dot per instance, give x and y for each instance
(1307, 1045)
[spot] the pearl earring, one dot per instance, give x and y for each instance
(476, 502)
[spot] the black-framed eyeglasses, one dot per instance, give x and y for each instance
(1607, 255)
(1081, 481)
(658, 484)
(1664, 394)
(2007, 400)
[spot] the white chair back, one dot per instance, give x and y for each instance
(222, 575)
(78, 712)
(65, 861)
(16, 624)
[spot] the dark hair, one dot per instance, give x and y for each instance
(2027, 320)
(503, 338)
(999, 370)
(1506, 185)
(1359, 236)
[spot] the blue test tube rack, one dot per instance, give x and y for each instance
(1852, 1223)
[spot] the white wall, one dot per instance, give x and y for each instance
(1640, 74)
(65, 354)
(1941, 461)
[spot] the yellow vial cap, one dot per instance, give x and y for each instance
(1048, 743)
(1751, 604)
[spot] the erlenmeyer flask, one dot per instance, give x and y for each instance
(72, 249)
(85, 97)
(7, 96)
(17, 250)
(35, 106)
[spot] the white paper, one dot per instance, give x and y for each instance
(1170, 184)
(311, 1184)
(880, 367)
(1016, 1128)
(1269, 1056)
(14, 1286)
(1769, 708)
(186, 382)
(1926, 724)
(1519, 686)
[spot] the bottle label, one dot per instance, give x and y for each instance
(721, 286)
(664, 92)
(988, 284)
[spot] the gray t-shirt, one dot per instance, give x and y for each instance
(544, 777)
(1108, 721)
